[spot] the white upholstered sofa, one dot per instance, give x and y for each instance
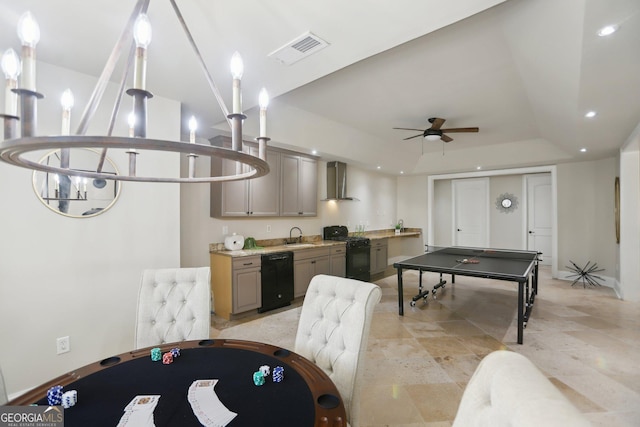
(507, 390)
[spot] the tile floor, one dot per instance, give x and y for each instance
(585, 340)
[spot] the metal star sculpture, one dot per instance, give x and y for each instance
(585, 274)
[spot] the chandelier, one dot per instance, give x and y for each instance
(137, 33)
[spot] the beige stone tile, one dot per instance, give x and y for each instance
(388, 325)
(460, 328)
(579, 401)
(459, 367)
(444, 346)
(603, 390)
(482, 345)
(415, 370)
(436, 402)
(384, 404)
(400, 348)
(593, 322)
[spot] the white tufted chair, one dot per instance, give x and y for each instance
(334, 329)
(507, 390)
(174, 304)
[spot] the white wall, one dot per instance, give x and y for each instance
(586, 230)
(63, 276)
(629, 248)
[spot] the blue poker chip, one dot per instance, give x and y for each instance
(54, 395)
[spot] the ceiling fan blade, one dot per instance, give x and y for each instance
(436, 122)
(418, 130)
(411, 137)
(445, 138)
(452, 130)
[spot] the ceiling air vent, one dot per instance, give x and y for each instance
(303, 46)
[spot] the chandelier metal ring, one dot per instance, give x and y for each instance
(12, 151)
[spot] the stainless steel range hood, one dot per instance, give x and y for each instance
(337, 181)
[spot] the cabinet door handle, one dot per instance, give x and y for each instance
(299, 213)
(313, 262)
(248, 263)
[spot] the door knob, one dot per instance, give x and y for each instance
(531, 232)
(459, 229)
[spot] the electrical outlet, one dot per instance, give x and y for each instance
(225, 230)
(62, 345)
(268, 229)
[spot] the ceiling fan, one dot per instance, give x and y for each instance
(435, 132)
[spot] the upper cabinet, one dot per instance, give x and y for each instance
(263, 196)
(299, 175)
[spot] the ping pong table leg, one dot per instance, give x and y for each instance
(520, 311)
(400, 299)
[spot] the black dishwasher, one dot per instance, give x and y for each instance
(277, 280)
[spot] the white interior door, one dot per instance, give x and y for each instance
(471, 212)
(539, 220)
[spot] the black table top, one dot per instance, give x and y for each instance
(480, 262)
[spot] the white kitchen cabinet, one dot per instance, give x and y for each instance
(378, 255)
(299, 185)
(306, 264)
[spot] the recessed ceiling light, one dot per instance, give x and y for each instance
(608, 30)
(478, 167)
(379, 167)
(401, 172)
(590, 114)
(314, 152)
(583, 150)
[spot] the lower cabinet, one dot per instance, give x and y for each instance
(338, 261)
(245, 292)
(378, 255)
(247, 284)
(306, 264)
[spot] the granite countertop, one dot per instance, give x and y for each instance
(277, 248)
(309, 242)
(391, 233)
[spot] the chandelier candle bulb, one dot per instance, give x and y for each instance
(11, 70)
(193, 125)
(142, 36)
(263, 100)
(67, 104)
(29, 33)
(237, 68)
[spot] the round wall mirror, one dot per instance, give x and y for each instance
(506, 202)
(75, 196)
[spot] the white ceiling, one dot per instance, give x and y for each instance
(524, 71)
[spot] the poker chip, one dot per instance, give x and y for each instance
(265, 369)
(258, 378)
(69, 399)
(167, 358)
(175, 352)
(54, 395)
(156, 354)
(278, 374)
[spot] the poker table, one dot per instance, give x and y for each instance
(306, 396)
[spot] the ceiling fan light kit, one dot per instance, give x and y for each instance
(435, 132)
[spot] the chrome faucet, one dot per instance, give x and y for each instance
(291, 232)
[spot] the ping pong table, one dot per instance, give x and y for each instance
(498, 264)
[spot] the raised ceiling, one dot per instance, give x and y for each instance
(524, 71)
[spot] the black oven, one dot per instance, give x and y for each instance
(358, 251)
